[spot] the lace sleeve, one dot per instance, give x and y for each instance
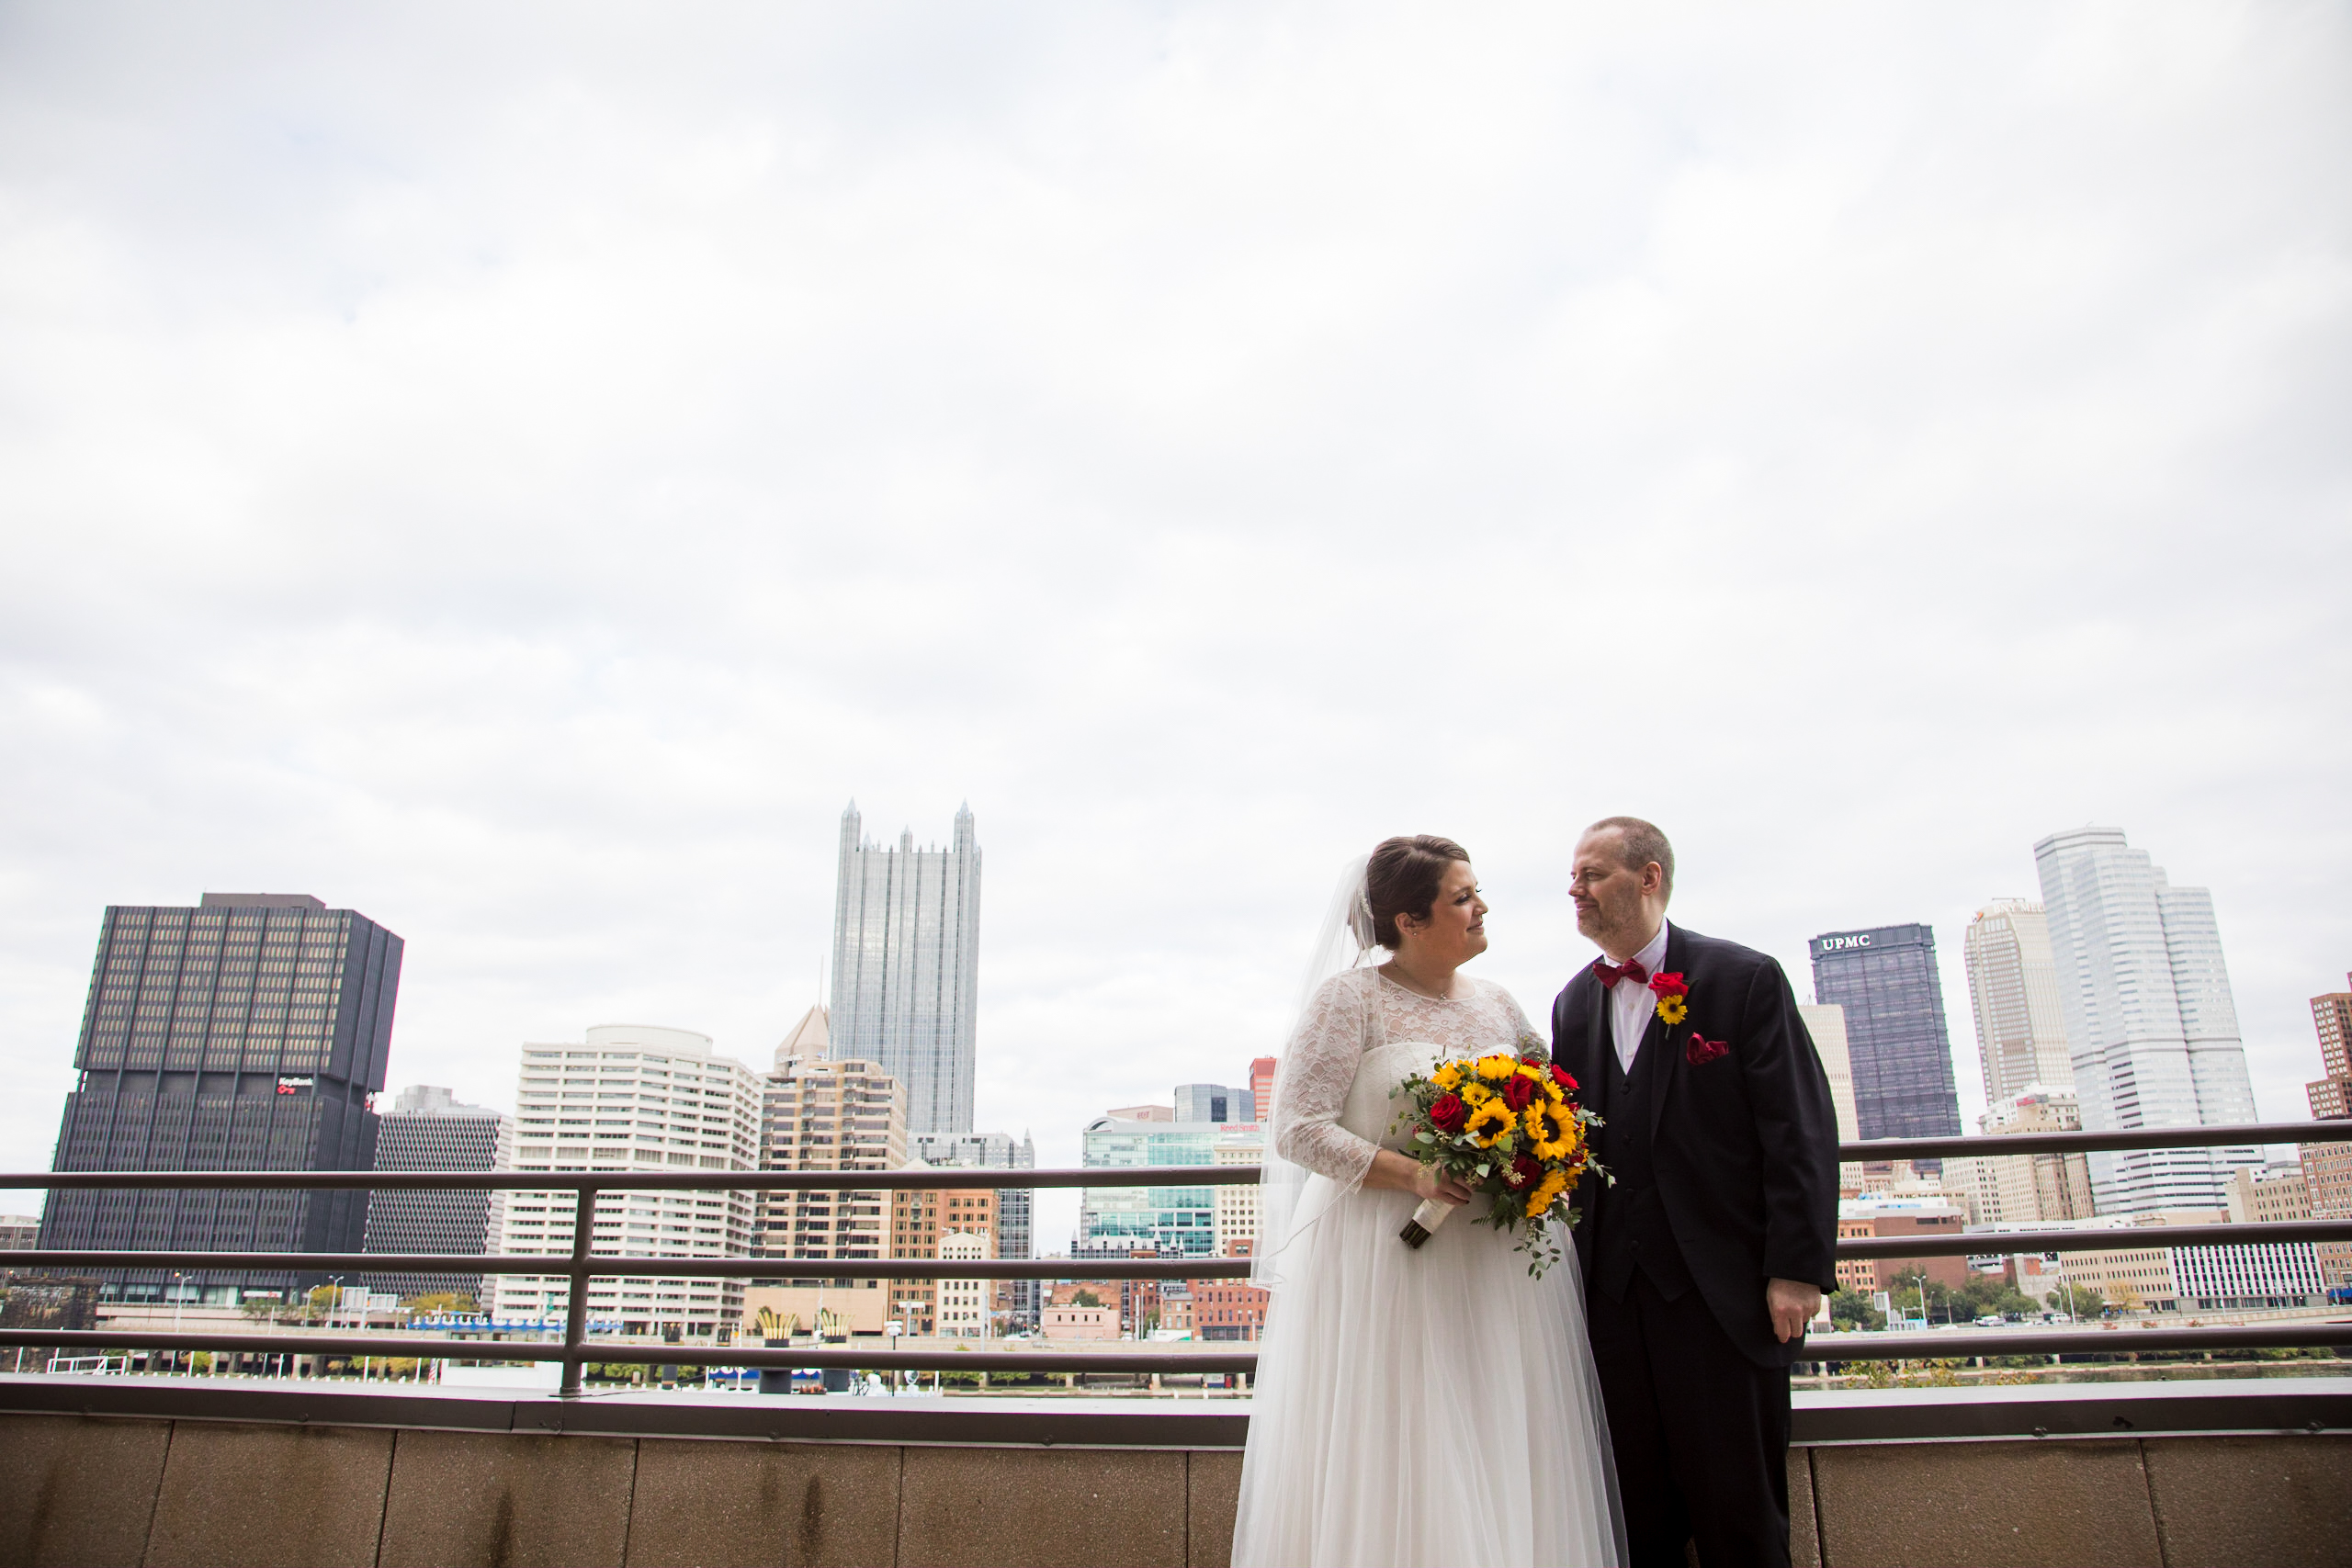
(1318, 1071)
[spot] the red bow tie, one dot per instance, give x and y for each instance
(1609, 974)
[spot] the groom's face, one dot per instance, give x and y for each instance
(1610, 897)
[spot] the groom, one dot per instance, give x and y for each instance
(1705, 1260)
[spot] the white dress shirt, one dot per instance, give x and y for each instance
(1631, 1002)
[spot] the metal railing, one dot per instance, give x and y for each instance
(581, 1264)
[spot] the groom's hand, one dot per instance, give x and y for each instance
(1792, 1305)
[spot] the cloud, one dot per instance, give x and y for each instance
(517, 474)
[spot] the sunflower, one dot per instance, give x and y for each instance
(1497, 1068)
(1672, 1010)
(1447, 1078)
(1491, 1112)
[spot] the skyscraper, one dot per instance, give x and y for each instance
(1885, 979)
(2013, 992)
(245, 1033)
(629, 1097)
(430, 1129)
(906, 967)
(2149, 1022)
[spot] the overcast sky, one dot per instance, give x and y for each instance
(519, 471)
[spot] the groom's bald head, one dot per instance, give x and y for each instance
(1639, 845)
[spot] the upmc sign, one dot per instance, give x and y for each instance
(1841, 944)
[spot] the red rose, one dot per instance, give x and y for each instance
(1447, 1113)
(1517, 1090)
(1560, 1077)
(1521, 1171)
(1669, 984)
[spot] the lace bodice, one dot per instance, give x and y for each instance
(1359, 1023)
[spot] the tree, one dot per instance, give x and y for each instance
(1854, 1309)
(2077, 1301)
(320, 1300)
(260, 1309)
(1084, 1297)
(438, 1301)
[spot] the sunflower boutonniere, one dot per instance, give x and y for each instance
(1673, 994)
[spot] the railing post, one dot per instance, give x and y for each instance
(575, 1311)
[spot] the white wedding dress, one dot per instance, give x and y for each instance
(1412, 1407)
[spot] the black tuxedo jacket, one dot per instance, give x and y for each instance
(1744, 1140)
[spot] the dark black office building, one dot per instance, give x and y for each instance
(246, 1033)
(1886, 980)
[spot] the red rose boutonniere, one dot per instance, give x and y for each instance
(1673, 998)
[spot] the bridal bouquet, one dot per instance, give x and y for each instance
(1504, 1125)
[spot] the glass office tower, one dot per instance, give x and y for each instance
(1885, 980)
(2151, 1023)
(906, 967)
(246, 1033)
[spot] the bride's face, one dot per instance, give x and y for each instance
(1455, 931)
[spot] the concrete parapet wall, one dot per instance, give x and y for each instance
(94, 1490)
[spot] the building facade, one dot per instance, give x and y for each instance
(2150, 1021)
(2026, 1189)
(821, 1114)
(1262, 1088)
(921, 1220)
(2327, 1167)
(1896, 1038)
(1173, 1221)
(246, 1032)
(906, 967)
(1212, 1102)
(2013, 994)
(966, 1308)
(633, 1097)
(429, 1129)
(1015, 1206)
(1234, 1231)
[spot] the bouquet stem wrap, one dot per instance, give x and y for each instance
(1426, 1218)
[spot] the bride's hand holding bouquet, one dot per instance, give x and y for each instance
(1502, 1124)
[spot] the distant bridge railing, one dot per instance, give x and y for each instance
(581, 1263)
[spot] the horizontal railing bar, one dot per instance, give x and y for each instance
(1929, 1244)
(1986, 1147)
(2122, 1239)
(995, 1179)
(941, 1178)
(640, 1352)
(1956, 1344)
(614, 1265)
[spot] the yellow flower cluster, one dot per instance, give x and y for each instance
(1447, 1077)
(1672, 1010)
(1548, 1192)
(1497, 1068)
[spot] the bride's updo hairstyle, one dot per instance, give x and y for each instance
(1402, 879)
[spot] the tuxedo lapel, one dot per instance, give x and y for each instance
(1667, 1065)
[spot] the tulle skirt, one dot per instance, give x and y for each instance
(1424, 1407)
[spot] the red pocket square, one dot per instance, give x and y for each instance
(1702, 1050)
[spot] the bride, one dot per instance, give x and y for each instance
(1431, 1407)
